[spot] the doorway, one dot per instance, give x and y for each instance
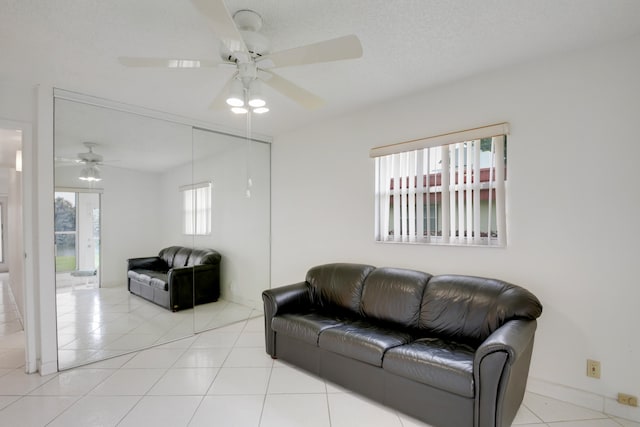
(77, 239)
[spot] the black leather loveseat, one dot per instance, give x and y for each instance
(450, 350)
(177, 278)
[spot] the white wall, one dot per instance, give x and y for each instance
(4, 194)
(15, 249)
(573, 204)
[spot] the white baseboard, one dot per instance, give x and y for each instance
(251, 303)
(612, 407)
(586, 399)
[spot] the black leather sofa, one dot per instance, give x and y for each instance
(177, 278)
(450, 350)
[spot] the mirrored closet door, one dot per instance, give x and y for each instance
(237, 172)
(121, 182)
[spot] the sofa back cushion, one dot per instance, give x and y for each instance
(203, 256)
(394, 295)
(338, 285)
(167, 254)
(180, 256)
(471, 308)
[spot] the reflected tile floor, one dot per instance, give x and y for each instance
(94, 323)
(221, 377)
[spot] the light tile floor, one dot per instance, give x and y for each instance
(221, 377)
(95, 323)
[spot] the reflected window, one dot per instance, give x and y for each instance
(196, 209)
(65, 231)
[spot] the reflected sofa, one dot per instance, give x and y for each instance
(450, 350)
(177, 278)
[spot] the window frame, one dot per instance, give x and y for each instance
(405, 172)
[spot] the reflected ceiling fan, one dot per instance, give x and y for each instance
(90, 160)
(245, 49)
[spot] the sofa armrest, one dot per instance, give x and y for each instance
(147, 263)
(181, 282)
(206, 286)
(180, 274)
(501, 367)
(287, 298)
(291, 298)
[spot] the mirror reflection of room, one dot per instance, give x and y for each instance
(128, 187)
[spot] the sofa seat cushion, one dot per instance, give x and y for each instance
(442, 364)
(305, 327)
(156, 279)
(362, 340)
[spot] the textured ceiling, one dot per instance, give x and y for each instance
(409, 45)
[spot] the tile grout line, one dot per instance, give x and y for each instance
(264, 399)
(206, 393)
(326, 395)
(534, 414)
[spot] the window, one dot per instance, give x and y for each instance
(448, 189)
(196, 209)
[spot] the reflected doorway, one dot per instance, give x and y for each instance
(77, 239)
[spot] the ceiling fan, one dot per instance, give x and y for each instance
(90, 160)
(244, 48)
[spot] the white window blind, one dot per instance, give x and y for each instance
(451, 193)
(196, 208)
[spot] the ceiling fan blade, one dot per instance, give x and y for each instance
(167, 62)
(347, 47)
(220, 101)
(291, 90)
(223, 24)
(67, 160)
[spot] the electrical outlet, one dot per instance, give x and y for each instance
(593, 368)
(627, 399)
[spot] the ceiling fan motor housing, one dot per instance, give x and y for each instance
(248, 23)
(257, 45)
(247, 20)
(90, 156)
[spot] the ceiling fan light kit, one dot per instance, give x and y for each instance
(239, 110)
(236, 94)
(91, 174)
(241, 89)
(243, 47)
(255, 95)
